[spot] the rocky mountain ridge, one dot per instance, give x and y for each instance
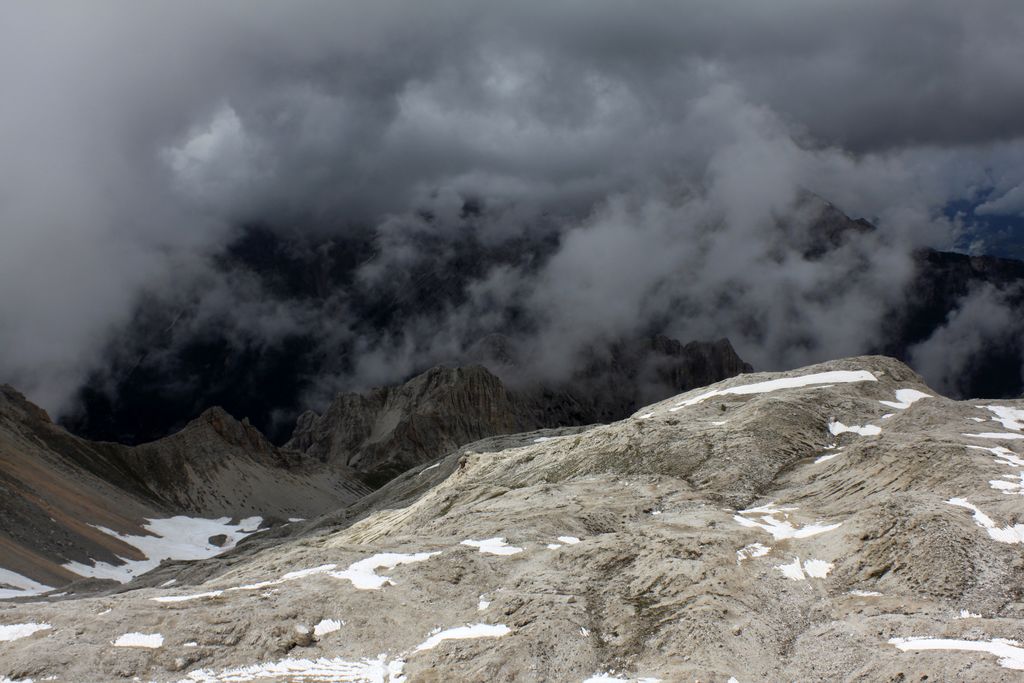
(386, 431)
(838, 522)
(76, 508)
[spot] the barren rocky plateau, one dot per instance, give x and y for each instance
(840, 522)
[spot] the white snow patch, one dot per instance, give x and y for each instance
(1010, 418)
(905, 398)
(1008, 436)
(493, 546)
(21, 586)
(1004, 456)
(1009, 652)
(1007, 534)
(1015, 485)
(837, 428)
(363, 574)
(462, 633)
(175, 538)
(326, 626)
(837, 376)
(311, 571)
(752, 550)
(146, 640)
(780, 528)
(792, 570)
(11, 632)
(290, 576)
(186, 598)
(817, 569)
(323, 669)
(569, 540)
(865, 594)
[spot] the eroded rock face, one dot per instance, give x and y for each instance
(809, 525)
(386, 431)
(217, 465)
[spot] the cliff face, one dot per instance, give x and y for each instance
(386, 431)
(837, 522)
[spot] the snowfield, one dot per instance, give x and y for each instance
(21, 586)
(176, 538)
(834, 377)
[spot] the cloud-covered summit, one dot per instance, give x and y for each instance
(659, 151)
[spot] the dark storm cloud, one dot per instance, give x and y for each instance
(984, 321)
(653, 137)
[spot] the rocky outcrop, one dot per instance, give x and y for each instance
(838, 522)
(55, 489)
(383, 432)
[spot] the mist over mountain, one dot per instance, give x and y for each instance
(340, 195)
(282, 323)
(388, 341)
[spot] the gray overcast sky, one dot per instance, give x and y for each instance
(134, 135)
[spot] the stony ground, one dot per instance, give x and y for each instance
(830, 523)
